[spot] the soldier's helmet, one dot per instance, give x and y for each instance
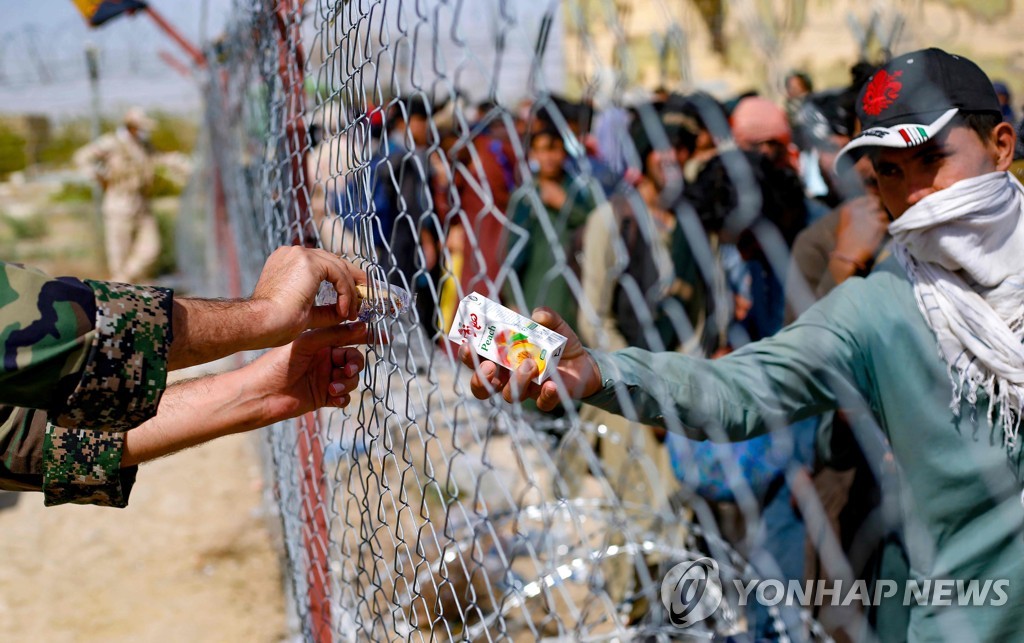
(136, 118)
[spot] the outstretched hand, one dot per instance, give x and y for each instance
(320, 368)
(287, 288)
(578, 371)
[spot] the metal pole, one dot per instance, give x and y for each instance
(204, 19)
(92, 64)
(174, 63)
(175, 35)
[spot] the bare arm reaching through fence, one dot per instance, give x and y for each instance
(282, 305)
(314, 371)
(96, 466)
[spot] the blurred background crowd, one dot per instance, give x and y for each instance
(651, 215)
(673, 222)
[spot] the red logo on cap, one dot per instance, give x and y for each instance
(882, 91)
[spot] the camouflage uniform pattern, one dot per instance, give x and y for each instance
(91, 356)
(126, 372)
(84, 467)
(21, 448)
(46, 331)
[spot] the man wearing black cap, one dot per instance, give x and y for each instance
(929, 345)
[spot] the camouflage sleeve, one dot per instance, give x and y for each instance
(93, 354)
(68, 465)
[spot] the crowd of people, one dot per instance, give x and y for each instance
(693, 226)
(803, 283)
(866, 244)
(554, 202)
(680, 223)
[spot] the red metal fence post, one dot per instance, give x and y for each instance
(316, 537)
(224, 235)
(193, 52)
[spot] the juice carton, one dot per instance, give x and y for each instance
(506, 337)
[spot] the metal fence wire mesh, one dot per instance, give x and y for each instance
(515, 149)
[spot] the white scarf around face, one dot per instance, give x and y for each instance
(963, 249)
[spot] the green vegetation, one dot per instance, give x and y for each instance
(73, 192)
(66, 140)
(173, 133)
(167, 220)
(163, 185)
(23, 229)
(12, 151)
(437, 497)
(78, 192)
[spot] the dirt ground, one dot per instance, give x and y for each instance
(191, 558)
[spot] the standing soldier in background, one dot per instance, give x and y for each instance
(121, 163)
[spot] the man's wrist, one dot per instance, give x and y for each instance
(260, 314)
(596, 381)
(243, 406)
(209, 329)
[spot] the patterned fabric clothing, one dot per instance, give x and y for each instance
(82, 362)
(866, 345)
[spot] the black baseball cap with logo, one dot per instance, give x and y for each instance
(912, 97)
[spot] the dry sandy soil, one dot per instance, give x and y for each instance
(189, 560)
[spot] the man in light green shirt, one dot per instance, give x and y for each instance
(930, 344)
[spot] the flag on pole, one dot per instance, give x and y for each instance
(96, 12)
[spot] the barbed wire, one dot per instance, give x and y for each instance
(403, 135)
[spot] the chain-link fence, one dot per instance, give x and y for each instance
(509, 148)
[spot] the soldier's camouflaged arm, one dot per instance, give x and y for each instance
(77, 466)
(126, 370)
(93, 354)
